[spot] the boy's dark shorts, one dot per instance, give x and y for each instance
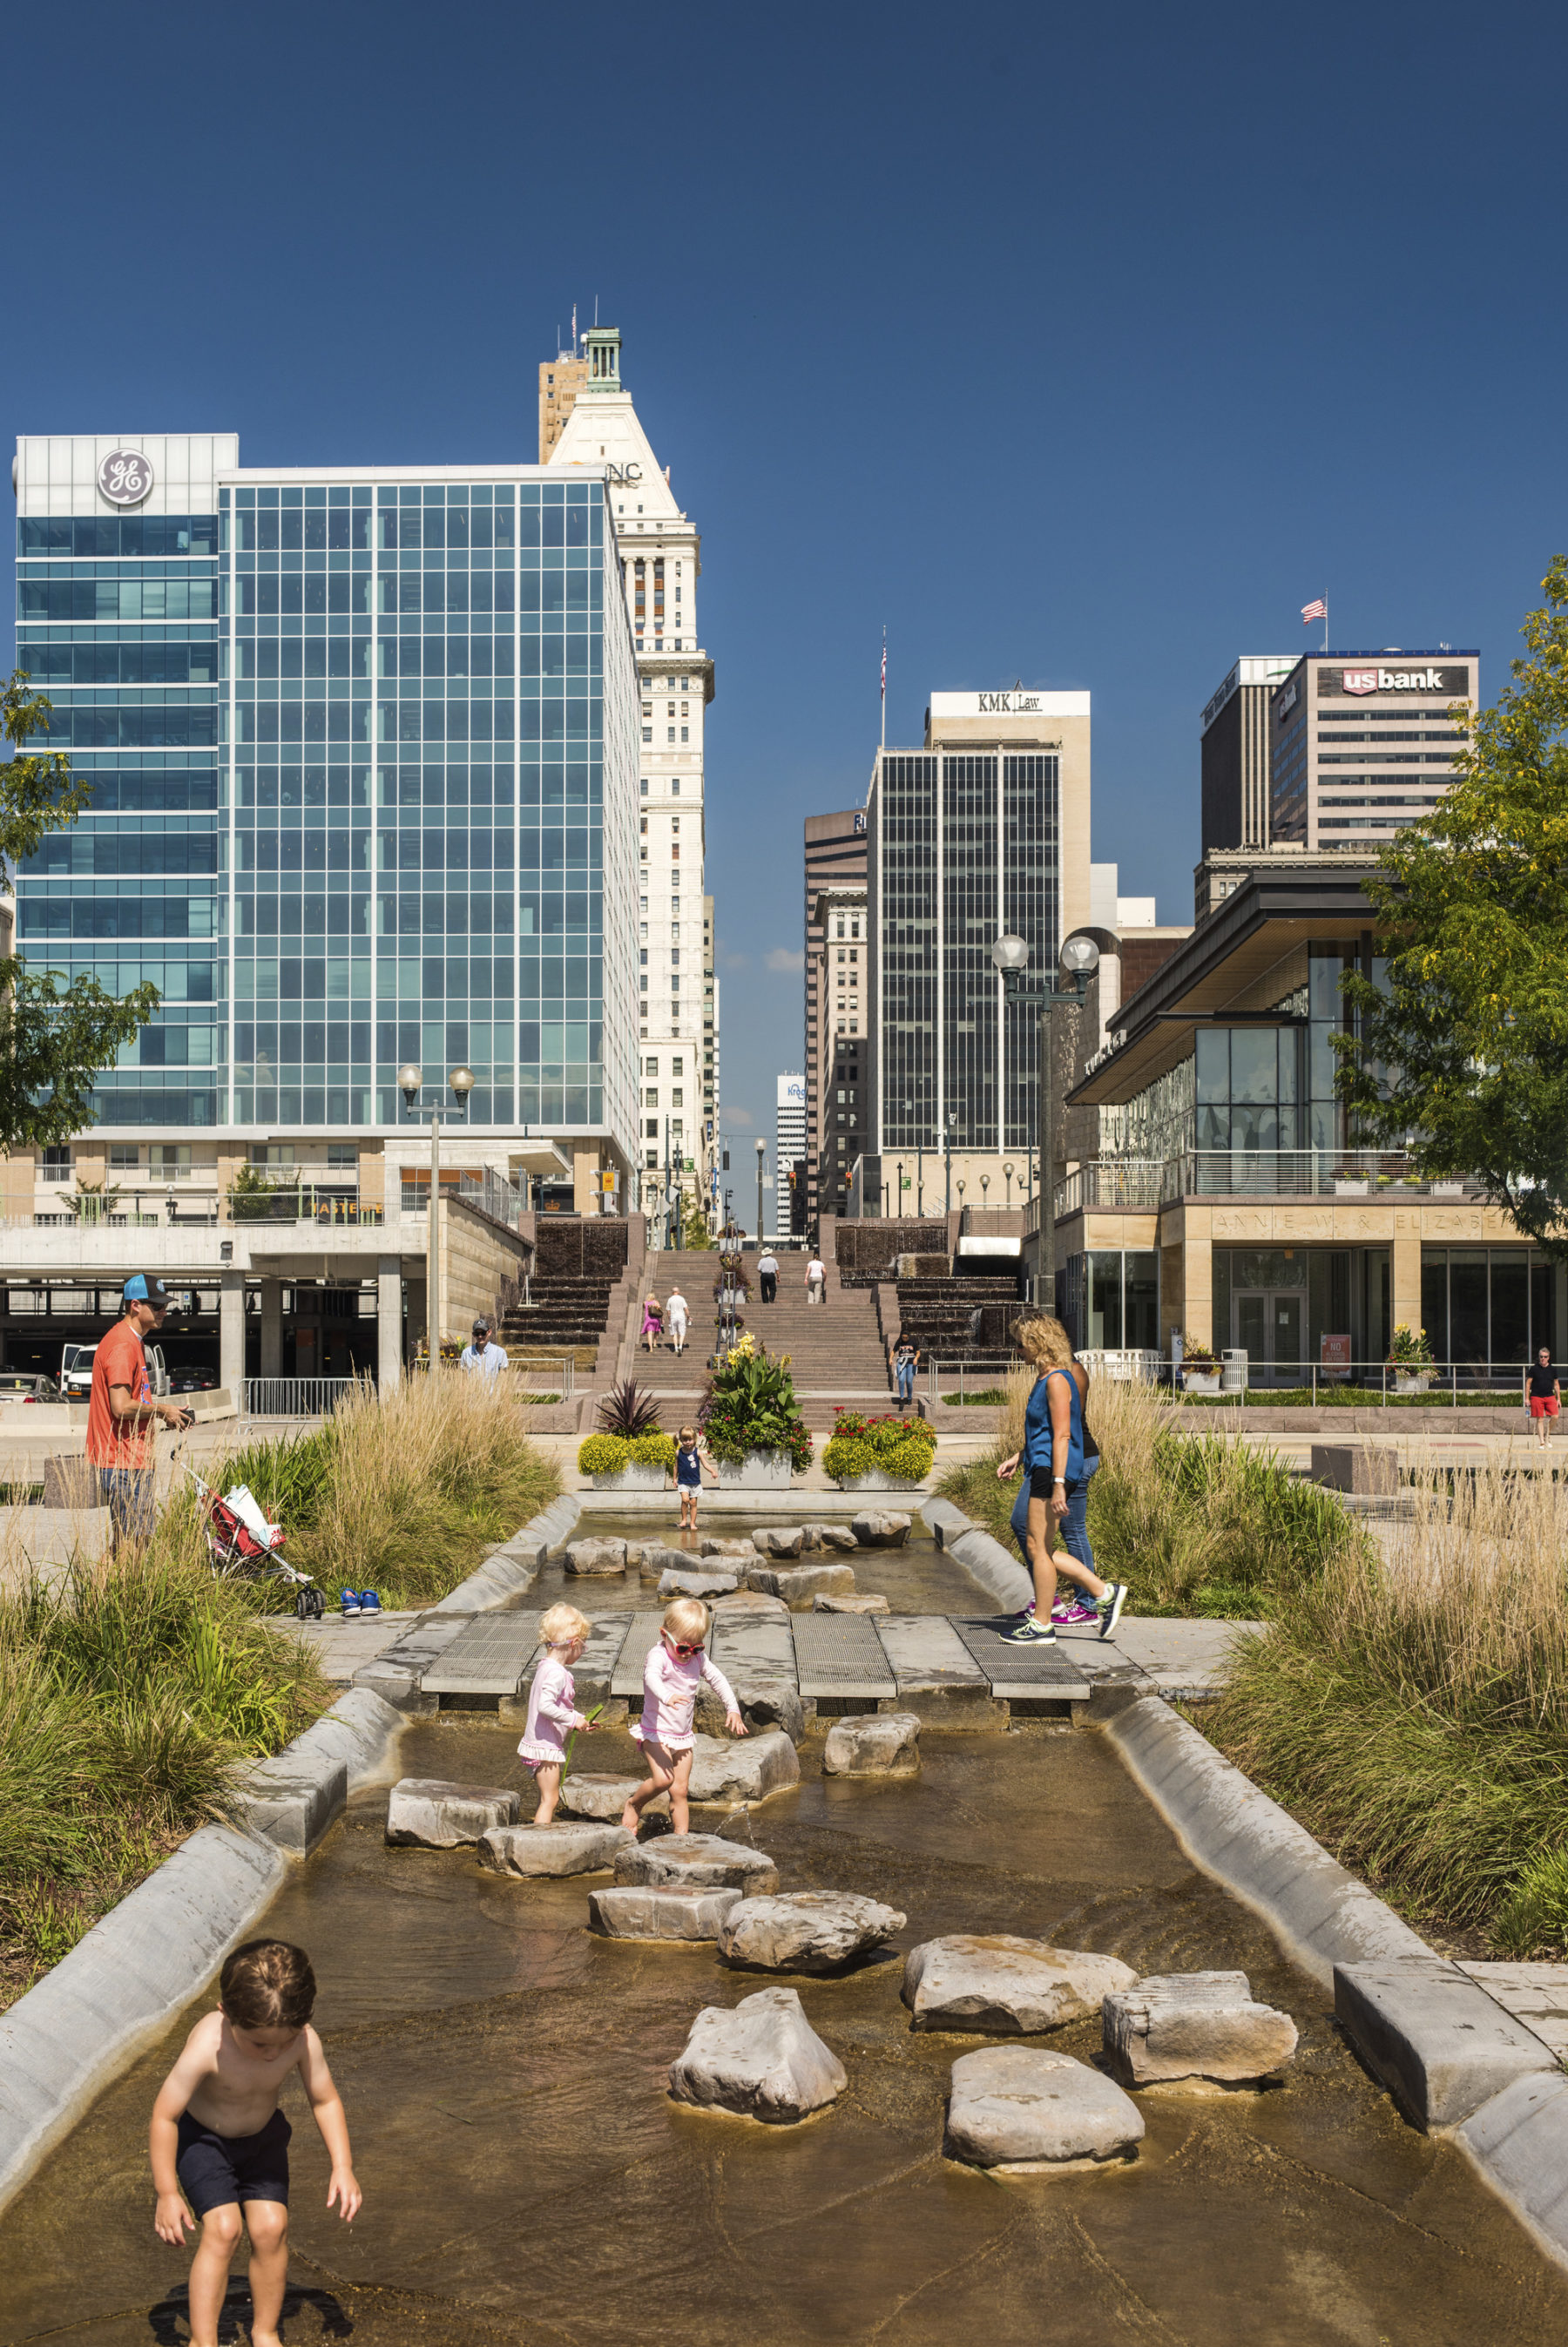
(216, 2169)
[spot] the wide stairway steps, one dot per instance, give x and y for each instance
(835, 1347)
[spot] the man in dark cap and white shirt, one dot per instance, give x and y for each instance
(123, 1411)
(481, 1354)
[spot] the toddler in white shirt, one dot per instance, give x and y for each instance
(677, 1660)
(552, 1704)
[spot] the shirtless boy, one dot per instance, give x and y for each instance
(220, 2143)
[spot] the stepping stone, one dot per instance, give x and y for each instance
(763, 2060)
(744, 1769)
(689, 1583)
(558, 1849)
(830, 1536)
(986, 1984)
(603, 1795)
(428, 1813)
(798, 1585)
(652, 1912)
(596, 1556)
(658, 1557)
(882, 1527)
(827, 1601)
(744, 1550)
(697, 1862)
(752, 1604)
(806, 1930)
(776, 1543)
(1031, 2111)
(878, 1744)
(1194, 2025)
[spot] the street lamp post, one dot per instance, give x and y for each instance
(1080, 958)
(410, 1081)
(948, 1137)
(1007, 1169)
(762, 1152)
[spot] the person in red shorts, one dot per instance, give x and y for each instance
(1545, 1395)
(122, 1413)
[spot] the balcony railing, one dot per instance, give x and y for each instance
(1147, 1182)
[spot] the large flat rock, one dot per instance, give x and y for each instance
(798, 1585)
(689, 1581)
(602, 1794)
(778, 1540)
(1029, 2109)
(1176, 2025)
(646, 1910)
(806, 1931)
(987, 1984)
(599, 1557)
(744, 1552)
(880, 1528)
(697, 1862)
(568, 1848)
(830, 1536)
(760, 2060)
(656, 1558)
(743, 1769)
(827, 1601)
(429, 1813)
(876, 1744)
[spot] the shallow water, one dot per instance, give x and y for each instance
(526, 2178)
(919, 1578)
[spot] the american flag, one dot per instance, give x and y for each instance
(1319, 611)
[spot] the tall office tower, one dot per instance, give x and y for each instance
(362, 744)
(659, 554)
(983, 830)
(1235, 729)
(789, 1150)
(560, 380)
(1361, 744)
(834, 890)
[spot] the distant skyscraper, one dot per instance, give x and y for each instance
(660, 555)
(560, 380)
(789, 1149)
(1361, 744)
(1235, 729)
(836, 1032)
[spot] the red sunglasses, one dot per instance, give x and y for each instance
(680, 1648)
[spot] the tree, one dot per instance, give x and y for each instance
(697, 1233)
(251, 1196)
(53, 1037)
(1462, 1052)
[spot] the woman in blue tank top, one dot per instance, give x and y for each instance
(1054, 1485)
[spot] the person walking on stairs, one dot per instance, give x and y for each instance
(904, 1359)
(768, 1275)
(675, 1312)
(815, 1280)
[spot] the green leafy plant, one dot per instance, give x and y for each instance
(1197, 1354)
(750, 1405)
(652, 1450)
(1410, 1349)
(601, 1454)
(629, 1410)
(251, 1196)
(904, 1447)
(843, 1458)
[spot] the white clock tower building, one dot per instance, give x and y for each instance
(661, 561)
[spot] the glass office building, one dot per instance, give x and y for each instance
(362, 746)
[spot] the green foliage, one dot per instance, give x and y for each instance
(845, 1457)
(601, 1454)
(910, 1459)
(904, 1447)
(288, 1478)
(652, 1450)
(1535, 1913)
(251, 1196)
(750, 1405)
(1408, 1348)
(993, 1397)
(1463, 1053)
(695, 1227)
(627, 1411)
(53, 1037)
(125, 1702)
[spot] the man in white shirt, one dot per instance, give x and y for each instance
(768, 1273)
(815, 1281)
(675, 1313)
(481, 1355)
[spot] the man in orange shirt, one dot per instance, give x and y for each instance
(122, 1413)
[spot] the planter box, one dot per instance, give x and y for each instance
(759, 1470)
(1200, 1380)
(634, 1476)
(1445, 1190)
(1412, 1381)
(1352, 1189)
(877, 1481)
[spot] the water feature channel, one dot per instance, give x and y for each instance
(527, 2180)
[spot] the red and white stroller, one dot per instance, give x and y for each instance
(239, 1540)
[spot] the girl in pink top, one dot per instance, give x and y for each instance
(552, 1704)
(677, 1661)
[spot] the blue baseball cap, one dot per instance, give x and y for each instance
(146, 1287)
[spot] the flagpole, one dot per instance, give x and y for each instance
(885, 687)
(1326, 623)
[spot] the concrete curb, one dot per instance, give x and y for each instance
(1518, 2143)
(1438, 2041)
(979, 1553)
(510, 1571)
(90, 2017)
(1321, 1915)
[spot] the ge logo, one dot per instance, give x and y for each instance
(125, 477)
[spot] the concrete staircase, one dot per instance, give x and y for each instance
(836, 1348)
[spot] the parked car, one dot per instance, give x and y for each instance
(192, 1381)
(23, 1386)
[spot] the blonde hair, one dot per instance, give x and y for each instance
(561, 1625)
(1044, 1341)
(686, 1617)
(689, 1435)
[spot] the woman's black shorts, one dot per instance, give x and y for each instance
(215, 2170)
(1041, 1479)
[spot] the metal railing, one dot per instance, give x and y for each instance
(305, 1202)
(982, 1374)
(1149, 1183)
(293, 1397)
(1501, 1385)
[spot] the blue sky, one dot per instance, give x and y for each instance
(1076, 346)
